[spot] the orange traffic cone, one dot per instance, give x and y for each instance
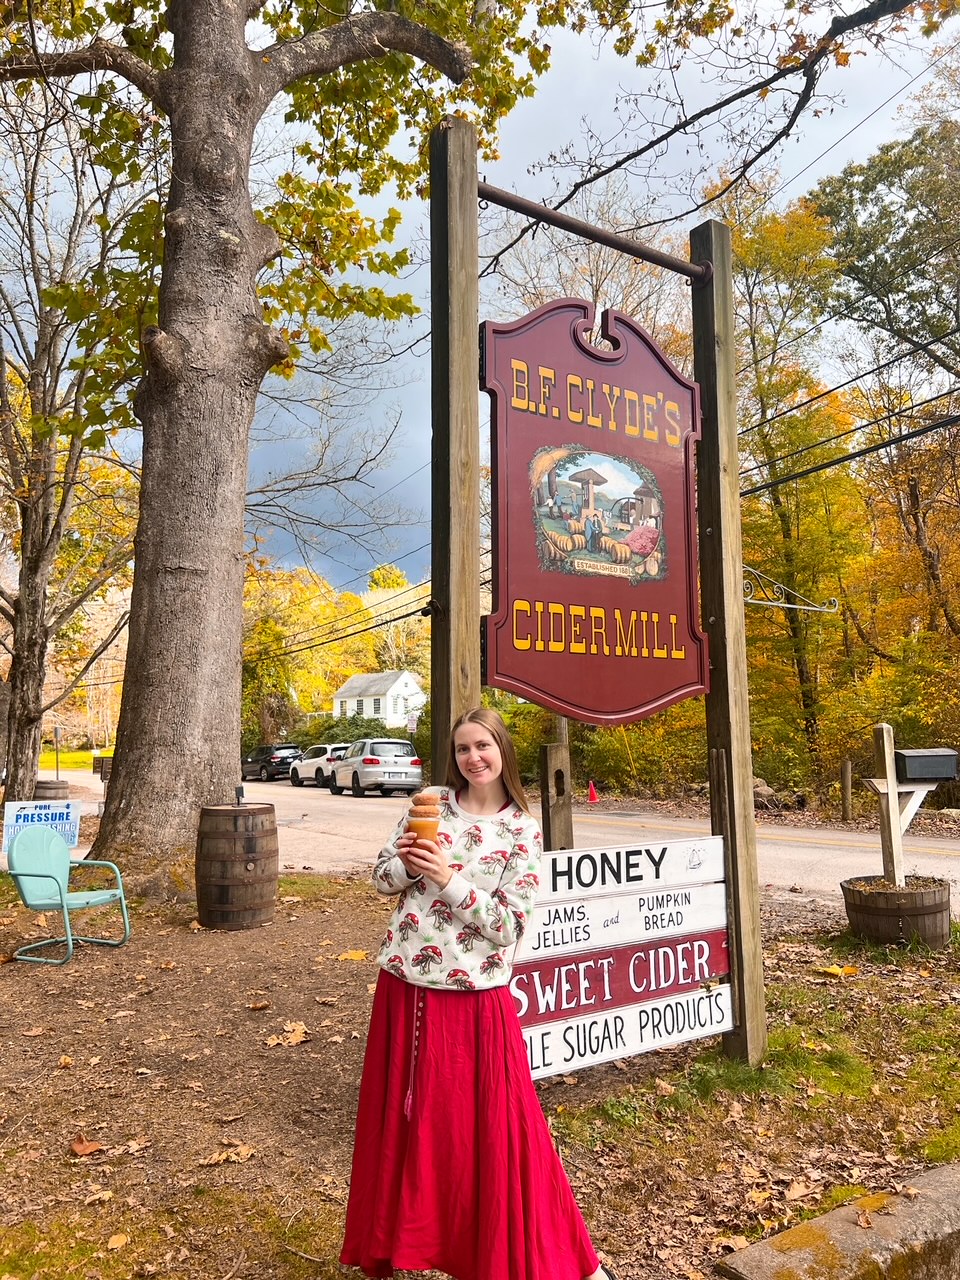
(592, 797)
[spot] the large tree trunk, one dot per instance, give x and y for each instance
(25, 680)
(40, 534)
(179, 730)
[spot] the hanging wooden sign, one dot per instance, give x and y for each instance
(595, 552)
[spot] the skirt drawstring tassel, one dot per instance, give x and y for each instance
(414, 1046)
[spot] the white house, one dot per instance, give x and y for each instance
(390, 696)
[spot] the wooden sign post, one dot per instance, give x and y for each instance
(721, 595)
(455, 471)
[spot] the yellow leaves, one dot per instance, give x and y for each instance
(294, 1033)
(117, 1241)
(352, 955)
(838, 971)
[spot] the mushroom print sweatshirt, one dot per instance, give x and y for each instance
(462, 937)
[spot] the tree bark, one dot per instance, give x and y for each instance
(179, 728)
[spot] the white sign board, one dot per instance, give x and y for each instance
(625, 951)
(62, 815)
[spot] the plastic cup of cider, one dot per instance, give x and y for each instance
(424, 828)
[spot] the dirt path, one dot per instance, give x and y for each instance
(216, 1074)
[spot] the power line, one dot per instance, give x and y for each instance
(848, 313)
(319, 644)
(921, 346)
(342, 619)
(842, 435)
(860, 123)
(850, 457)
(339, 620)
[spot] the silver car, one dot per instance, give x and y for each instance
(315, 765)
(377, 764)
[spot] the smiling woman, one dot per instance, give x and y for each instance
(454, 1168)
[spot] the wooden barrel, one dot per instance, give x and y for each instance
(916, 913)
(51, 789)
(237, 865)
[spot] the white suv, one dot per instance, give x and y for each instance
(377, 764)
(315, 765)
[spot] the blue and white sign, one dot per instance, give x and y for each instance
(63, 816)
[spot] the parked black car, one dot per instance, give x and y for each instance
(268, 763)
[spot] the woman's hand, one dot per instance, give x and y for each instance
(424, 858)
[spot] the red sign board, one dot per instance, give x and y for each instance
(595, 550)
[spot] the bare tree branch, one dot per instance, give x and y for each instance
(101, 55)
(101, 649)
(807, 68)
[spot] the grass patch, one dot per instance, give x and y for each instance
(8, 893)
(87, 1242)
(71, 759)
(849, 949)
(78, 1246)
(805, 1061)
(836, 1197)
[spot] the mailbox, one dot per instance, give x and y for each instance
(936, 764)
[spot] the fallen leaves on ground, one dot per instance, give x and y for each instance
(293, 1033)
(665, 1195)
(81, 1147)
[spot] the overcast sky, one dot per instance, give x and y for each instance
(872, 93)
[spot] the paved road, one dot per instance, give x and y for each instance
(322, 832)
(815, 859)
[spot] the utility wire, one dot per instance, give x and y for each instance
(842, 435)
(319, 644)
(331, 623)
(339, 620)
(847, 313)
(920, 346)
(850, 457)
(860, 123)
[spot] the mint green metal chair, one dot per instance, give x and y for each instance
(39, 862)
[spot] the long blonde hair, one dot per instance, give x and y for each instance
(493, 722)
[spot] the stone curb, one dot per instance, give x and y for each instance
(911, 1236)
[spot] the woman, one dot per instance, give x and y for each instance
(454, 1169)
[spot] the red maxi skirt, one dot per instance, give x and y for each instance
(454, 1169)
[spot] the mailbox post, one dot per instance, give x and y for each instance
(910, 776)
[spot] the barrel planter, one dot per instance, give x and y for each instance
(882, 912)
(237, 865)
(51, 789)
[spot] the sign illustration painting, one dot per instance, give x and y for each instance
(595, 552)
